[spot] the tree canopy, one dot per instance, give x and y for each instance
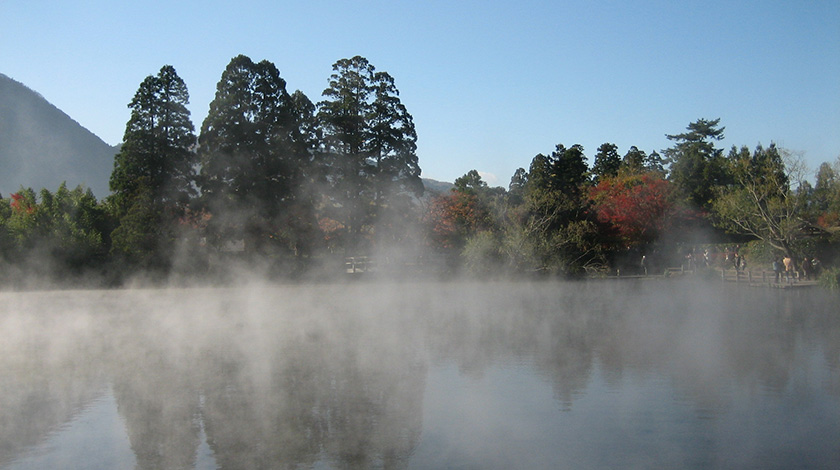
(277, 179)
(760, 201)
(695, 165)
(256, 151)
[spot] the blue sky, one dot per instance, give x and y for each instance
(489, 84)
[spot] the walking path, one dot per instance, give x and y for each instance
(764, 278)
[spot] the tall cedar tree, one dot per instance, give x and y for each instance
(153, 175)
(607, 162)
(370, 142)
(256, 153)
(634, 161)
(157, 149)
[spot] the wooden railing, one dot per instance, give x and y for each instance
(759, 277)
(357, 264)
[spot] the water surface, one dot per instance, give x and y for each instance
(672, 374)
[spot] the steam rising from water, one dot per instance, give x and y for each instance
(286, 375)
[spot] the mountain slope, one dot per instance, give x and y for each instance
(41, 146)
(435, 187)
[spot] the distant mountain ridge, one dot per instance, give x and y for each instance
(41, 146)
(435, 187)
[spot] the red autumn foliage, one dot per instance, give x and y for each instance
(19, 204)
(452, 217)
(638, 207)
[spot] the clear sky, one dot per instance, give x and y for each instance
(490, 83)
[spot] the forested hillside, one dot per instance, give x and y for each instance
(40, 146)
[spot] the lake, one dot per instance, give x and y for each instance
(422, 375)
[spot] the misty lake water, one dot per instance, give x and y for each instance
(465, 375)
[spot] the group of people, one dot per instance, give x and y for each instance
(792, 271)
(787, 267)
(729, 257)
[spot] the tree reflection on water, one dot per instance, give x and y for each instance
(289, 376)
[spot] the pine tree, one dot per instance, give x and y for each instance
(696, 166)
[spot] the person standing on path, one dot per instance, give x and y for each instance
(777, 269)
(807, 268)
(788, 262)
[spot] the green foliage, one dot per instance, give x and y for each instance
(830, 278)
(824, 203)
(540, 226)
(827, 188)
(696, 166)
(288, 177)
(569, 250)
(64, 231)
(557, 235)
(607, 162)
(759, 253)
(564, 172)
(483, 254)
(140, 238)
(256, 151)
(516, 188)
(157, 150)
(634, 160)
(470, 183)
(760, 202)
(154, 172)
(517, 249)
(77, 225)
